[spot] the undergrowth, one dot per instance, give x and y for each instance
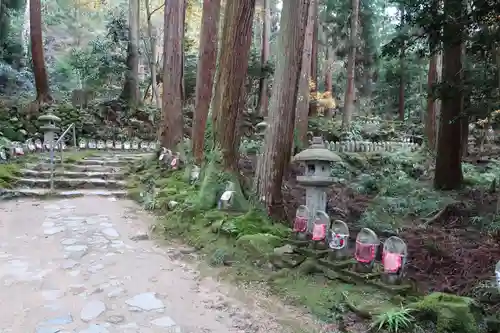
(8, 172)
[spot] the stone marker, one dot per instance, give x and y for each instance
(367, 243)
(92, 144)
(101, 145)
(338, 237)
(126, 145)
(317, 160)
(225, 201)
(118, 145)
(82, 143)
(38, 144)
(394, 257)
(321, 223)
(300, 223)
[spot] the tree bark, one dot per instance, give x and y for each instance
(448, 174)
(41, 80)
(207, 59)
(230, 84)
(430, 119)
(351, 63)
(264, 58)
(130, 92)
(302, 109)
(279, 135)
(152, 58)
(328, 71)
(313, 110)
(401, 106)
(172, 121)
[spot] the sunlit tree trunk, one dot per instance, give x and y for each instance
(314, 56)
(130, 92)
(302, 109)
(172, 122)
(207, 59)
(152, 56)
(279, 135)
(264, 58)
(230, 84)
(41, 80)
(448, 174)
(351, 64)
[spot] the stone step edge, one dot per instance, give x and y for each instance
(47, 194)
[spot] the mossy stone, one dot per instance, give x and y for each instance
(259, 244)
(451, 313)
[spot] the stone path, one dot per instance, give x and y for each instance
(85, 265)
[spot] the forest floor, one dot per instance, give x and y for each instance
(88, 265)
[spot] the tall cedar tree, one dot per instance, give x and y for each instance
(230, 91)
(130, 92)
(41, 80)
(172, 121)
(351, 65)
(264, 58)
(207, 59)
(279, 135)
(302, 111)
(448, 174)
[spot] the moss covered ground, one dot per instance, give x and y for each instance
(239, 244)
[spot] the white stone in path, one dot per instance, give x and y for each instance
(95, 329)
(164, 322)
(53, 231)
(110, 233)
(92, 310)
(146, 302)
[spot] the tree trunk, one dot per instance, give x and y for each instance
(207, 59)
(430, 120)
(313, 107)
(401, 106)
(264, 58)
(302, 110)
(448, 174)
(328, 71)
(152, 58)
(172, 121)
(130, 92)
(230, 84)
(279, 135)
(41, 80)
(351, 63)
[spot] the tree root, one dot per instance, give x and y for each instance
(353, 308)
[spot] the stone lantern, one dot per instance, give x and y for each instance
(316, 179)
(49, 128)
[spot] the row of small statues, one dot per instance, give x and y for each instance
(335, 236)
(31, 146)
(134, 144)
(367, 146)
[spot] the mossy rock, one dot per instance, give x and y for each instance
(259, 244)
(450, 313)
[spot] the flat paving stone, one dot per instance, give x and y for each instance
(68, 266)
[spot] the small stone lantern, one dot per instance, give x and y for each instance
(49, 128)
(317, 177)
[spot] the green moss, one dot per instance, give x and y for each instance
(238, 242)
(259, 244)
(8, 172)
(450, 313)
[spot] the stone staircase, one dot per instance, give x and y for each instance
(99, 174)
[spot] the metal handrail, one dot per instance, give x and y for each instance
(55, 144)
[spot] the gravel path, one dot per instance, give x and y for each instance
(85, 265)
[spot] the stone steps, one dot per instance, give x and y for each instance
(100, 174)
(61, 173)
(71, 183)
(45, 193)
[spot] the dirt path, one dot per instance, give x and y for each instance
(83, 265)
